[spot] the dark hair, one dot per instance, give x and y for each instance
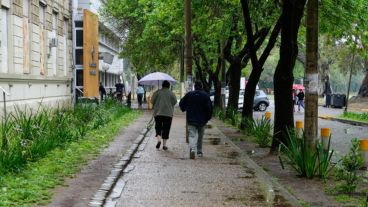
(198, 85)
(165, 84)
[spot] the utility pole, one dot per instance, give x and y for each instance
(188, 44)
(182, 86)
(311, 75)
(188, 50)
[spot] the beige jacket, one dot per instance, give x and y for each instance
(163, 102)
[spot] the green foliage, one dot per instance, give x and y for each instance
(355, 116)
(260, 129)
(348, 166)
(32, 184)
(233, 116)
(29, 135)
(219, 113)
(307, 163)
(324, 157)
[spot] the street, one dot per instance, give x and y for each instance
(341, 133)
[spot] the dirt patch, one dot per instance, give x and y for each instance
(310, 192)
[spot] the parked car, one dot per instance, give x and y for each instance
(260, 102)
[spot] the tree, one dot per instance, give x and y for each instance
(292, 13)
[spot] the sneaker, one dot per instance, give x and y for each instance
(200, 154)
(192, 154)
(165, 148)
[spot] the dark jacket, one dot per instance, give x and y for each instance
(198, 106)
(300, 96)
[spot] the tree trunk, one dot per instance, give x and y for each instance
(311, 74)
(292, 13)
(234, 85)
(247, 112)
(363, 91)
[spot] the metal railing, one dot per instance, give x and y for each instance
(5, 93)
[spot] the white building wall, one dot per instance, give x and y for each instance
(29, 86)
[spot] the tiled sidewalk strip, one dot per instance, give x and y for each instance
(118, 170)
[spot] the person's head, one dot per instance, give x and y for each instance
(198, 85)
(119, 81)
(100, 83)
(166, 84)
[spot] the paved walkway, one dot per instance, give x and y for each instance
(170, 178)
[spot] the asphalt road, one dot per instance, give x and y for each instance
(341, 133)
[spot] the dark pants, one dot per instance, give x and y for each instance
(140, 97)
(162, 126)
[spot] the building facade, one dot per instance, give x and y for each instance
(110, 66)
(35, 52)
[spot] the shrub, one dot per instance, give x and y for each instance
(348, 166)
(29, 135)
(260, 129)
(307, 163)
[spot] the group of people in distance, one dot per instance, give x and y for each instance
(120, 92)
(198, 107)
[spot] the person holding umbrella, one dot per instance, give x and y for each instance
(163, 101)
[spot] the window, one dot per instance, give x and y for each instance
(79, 24)
(79, 38)
(3, 40)
(26, 8)
(79, 56)
(79, 77)
(42, 14)
(65, 46)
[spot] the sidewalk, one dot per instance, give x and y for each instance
(169, 178)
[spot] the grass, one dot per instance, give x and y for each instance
(363, 117)
(31, 183)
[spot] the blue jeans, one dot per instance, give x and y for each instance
(300, 104)
(195, 144)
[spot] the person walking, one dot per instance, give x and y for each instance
(102, 91)
(300, 99)
(120, 90)
(198, 106)
(140, 93)
(163, 101)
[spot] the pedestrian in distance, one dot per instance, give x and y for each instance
(163, 101)
(300, 99)
(120, 90)
(140, 93)
(102, 91)
(198, 106)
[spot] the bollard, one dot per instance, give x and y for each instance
(299, 128)
(363, 145)
(325, 136)
(268, 115)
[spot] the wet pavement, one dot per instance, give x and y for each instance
(170, 178)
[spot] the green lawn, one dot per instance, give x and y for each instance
(362, 117)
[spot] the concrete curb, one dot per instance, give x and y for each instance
(270, 186)
(351, 122)
(121, 167)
